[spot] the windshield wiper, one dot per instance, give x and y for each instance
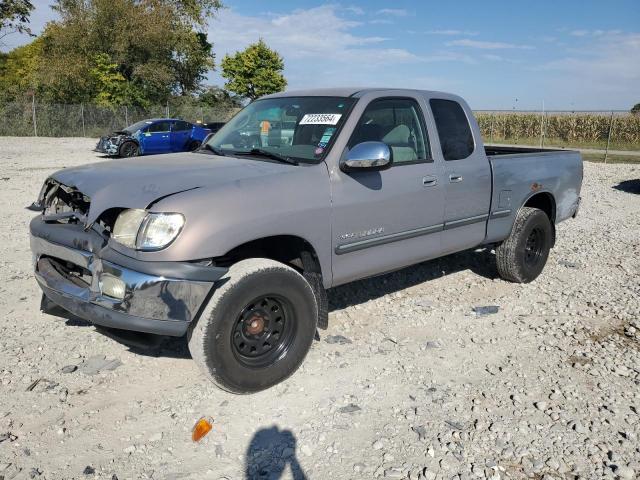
(267, 154)
(212, 149)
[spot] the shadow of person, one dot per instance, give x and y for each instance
(269, 453)
(629, 186)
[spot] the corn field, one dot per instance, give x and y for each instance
(562, 129)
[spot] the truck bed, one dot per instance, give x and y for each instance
(496, 150)
(519, 173)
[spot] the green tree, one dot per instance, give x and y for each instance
(112, 89)
(134, 51)
(219, 97)
(14, 17)
(18, 71)
(635, 110)
(254, 72)
(192, 62)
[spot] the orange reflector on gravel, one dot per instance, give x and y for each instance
(201, 428)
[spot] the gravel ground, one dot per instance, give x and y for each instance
(407, 382)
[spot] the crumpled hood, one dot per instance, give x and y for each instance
(138, 182)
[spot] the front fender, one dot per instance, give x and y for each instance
(295, 203)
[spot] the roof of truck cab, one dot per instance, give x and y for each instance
(343, 92)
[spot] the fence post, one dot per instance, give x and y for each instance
(126, 116)
(33, 109)
(606, 152)
(167, 109)
(542, 126)
(84, 133)
(491, 134)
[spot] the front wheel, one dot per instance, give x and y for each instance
(523, 255)
(257, 327)
(128, 149)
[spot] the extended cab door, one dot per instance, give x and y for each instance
(384, 220)
(156, 138)
(467, 182)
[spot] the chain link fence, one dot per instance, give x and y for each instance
(82, 120)
(600, 131)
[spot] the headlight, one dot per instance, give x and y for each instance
(146, 231)
(159, 230)
(125, 231)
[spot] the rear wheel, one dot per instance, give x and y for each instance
(128, 149)
(523, 255)
(194, 145)
(257, 327)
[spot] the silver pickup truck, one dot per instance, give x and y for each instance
(234, 245)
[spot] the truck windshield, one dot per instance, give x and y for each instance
(297, 128)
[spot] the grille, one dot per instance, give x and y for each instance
(61, 199)
(80, 277)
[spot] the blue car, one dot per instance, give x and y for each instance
(148, 137)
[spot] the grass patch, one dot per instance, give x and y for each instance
(599, 158)
(559, 143)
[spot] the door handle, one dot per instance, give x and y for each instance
(429, 181)
(453, 178)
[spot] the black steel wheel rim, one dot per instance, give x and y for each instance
(263, 332)
(534, 247)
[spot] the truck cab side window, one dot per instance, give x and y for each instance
(454, 132)
(398, 123)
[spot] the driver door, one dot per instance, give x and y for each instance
(384, 220)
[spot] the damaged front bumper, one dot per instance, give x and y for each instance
(77, 270)
(108, 145)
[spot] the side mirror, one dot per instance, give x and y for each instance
(367, 156)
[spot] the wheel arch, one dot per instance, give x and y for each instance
(135, 141)
(546, 202)
(291, 250)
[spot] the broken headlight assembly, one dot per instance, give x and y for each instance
(144, 230)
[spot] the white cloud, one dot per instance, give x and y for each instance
(579, 33)
(462, 33)
(318, 32)
(487, 45)
(396, 12)
(606, 66)
(313, 42)
(355, 10)
(594, 33)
